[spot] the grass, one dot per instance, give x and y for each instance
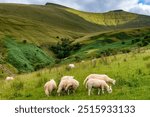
(36, 27)
(131, 72)
(26, 57)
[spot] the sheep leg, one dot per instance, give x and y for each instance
(68, 91)
(89, 92)
(47, 92)
(98, 91)
(102, 91)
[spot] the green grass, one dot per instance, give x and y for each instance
(131, 72)
(36, 27)
(26, 57)
(116, 40)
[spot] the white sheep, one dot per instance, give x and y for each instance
(100, 84)
(100, 77)
(67, 83)
(49, 87)
(72, 84)
(9, 78)
(71, 66)
(82, 61)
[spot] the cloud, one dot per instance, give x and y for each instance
(136, 6)
(141, 9)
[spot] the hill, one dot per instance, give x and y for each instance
(43, 23)
(114, 19)
(30, 30)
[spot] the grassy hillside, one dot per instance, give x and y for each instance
(114, 19)
(110, 42)
(41, 24)
(119, 40)
(131, 72)
(36, 27)
(26, 57)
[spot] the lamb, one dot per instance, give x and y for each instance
(71, 66)
(100, 84)
(67, 83)
(9, 78)
(49, 87)
(100, 77)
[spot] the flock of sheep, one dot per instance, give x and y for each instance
(68, 83)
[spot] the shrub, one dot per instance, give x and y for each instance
(24, 41)
(126, 50)
(122, 42)
(64, 48)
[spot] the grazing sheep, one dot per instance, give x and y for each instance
(49, 87)
(72, 85)
(9, 78)
(100, 77)
(71, 66)
(100, 84)
(67, 83)
(82, 61)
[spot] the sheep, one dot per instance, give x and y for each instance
(100, 84)
(100, 77)
(71, 66)
(82, 61)
(72, 84)
(67, 83)
(49, 87)
(9, 78)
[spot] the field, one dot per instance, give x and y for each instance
(118, 40)
(131, 72)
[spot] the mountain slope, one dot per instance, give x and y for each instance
(38, 22)
(118, 18)
(27, 31)
(43, 23)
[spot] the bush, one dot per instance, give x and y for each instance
(64, 48)
(126, 50)
(24, 41)
(122, 42)
(108, 52)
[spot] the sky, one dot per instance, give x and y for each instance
(135, 6)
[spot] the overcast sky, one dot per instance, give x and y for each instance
(136, 6)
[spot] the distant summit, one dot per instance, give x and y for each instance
(119, 10)
(53, 4)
